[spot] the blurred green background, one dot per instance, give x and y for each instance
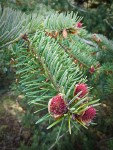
(97, 14)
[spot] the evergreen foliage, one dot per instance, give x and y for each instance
(12, 23)
(51, 56)
(42, 58)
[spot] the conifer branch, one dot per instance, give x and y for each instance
(11, 42)
(71, 55)
(48, 73)
(49, 76)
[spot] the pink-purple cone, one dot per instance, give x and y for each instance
(57, 106)
(83, 88)
(88, 115)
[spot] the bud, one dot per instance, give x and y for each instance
(92, 69)
(57, 106)
(79, 25)
(81, 65)
(83, 88)
(75, 61)
(25, 37)
(96, 38)
(64, 33)
(98, 65)
(73, 31)
(88, 115)
(55, 34)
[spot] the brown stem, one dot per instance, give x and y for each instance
(67, 51)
